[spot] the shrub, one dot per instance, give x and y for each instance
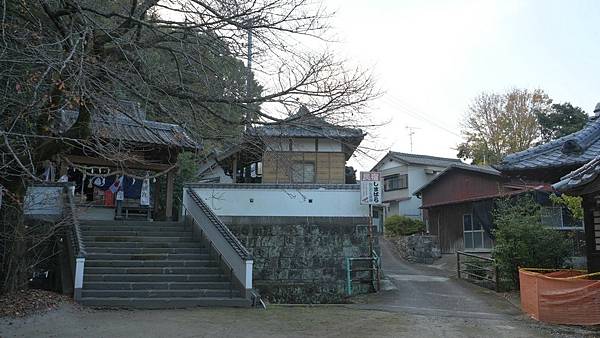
(403, 226)
(522, 241)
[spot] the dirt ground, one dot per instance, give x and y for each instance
(276, 321)
(417, 301)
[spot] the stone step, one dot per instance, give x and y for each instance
(191, 250)
(86, 228)
(145, 257)
(158, 263)
(160, 293)
(165, 303)
(144, 239)
(155, 285)
(215, 277)
(139, 244)
(146, 233)
(153, 270)
(131, 223)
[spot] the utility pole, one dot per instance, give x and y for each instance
(411, 133)
(249, 115)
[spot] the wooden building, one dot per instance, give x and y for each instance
(458, 205)
(125, 144)
(585, 182)
(303, 149)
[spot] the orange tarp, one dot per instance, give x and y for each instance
(560, 297)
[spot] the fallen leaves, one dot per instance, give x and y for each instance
(28, 301)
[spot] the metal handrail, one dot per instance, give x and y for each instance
(221, 260)
(76, 237)
(75, 228)
(492, 269)
(237, 246)
(376, 266)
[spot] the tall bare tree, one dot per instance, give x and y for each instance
(499, 124)
(181, 59)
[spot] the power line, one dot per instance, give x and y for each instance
(406, 109)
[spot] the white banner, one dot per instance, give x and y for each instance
(370, 188)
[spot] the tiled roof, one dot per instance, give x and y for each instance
(574, 149)
(579, 177)
(487, 170)
(140, 131)
(305, 124)
(423, 159)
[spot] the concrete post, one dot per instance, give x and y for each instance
(78, 285)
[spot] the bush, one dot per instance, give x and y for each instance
(522, 241)
(403, 226)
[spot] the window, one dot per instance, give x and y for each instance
(554, 217)
(303, 172)
(395, 182)
(474, 235)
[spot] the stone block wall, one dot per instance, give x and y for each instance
(418, 248)
(300, 259)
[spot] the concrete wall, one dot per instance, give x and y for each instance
(283, 200)
(302, 259)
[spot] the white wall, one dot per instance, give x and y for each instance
(328, 145)
(240, 201)
(303, 145)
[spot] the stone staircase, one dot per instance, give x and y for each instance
(141, 264)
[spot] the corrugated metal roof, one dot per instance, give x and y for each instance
(579, 177)
(127, 129)
(574, 149)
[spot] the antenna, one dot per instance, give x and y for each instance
(411, 133)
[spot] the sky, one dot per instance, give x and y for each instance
(431, 58)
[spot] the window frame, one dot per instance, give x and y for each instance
(397, 177)
(562, 219)
(303, 164)
(473, 232)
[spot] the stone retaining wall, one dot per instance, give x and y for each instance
(418, 248)
(300, 259)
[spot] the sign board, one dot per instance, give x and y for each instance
(370, 188)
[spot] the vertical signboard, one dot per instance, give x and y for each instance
(370, 188)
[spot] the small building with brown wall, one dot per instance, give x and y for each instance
(459, 202)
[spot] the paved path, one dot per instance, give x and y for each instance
(424, 290)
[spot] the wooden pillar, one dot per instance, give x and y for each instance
(234, 169)
(592, 225)
(169, 196)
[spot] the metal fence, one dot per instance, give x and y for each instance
(478, 270)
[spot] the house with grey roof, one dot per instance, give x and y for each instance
(403, 174)
(550, 161)
(285, 190)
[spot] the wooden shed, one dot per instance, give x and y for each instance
(458, 205)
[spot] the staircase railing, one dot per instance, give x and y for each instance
(235, 256)
(77, 250)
